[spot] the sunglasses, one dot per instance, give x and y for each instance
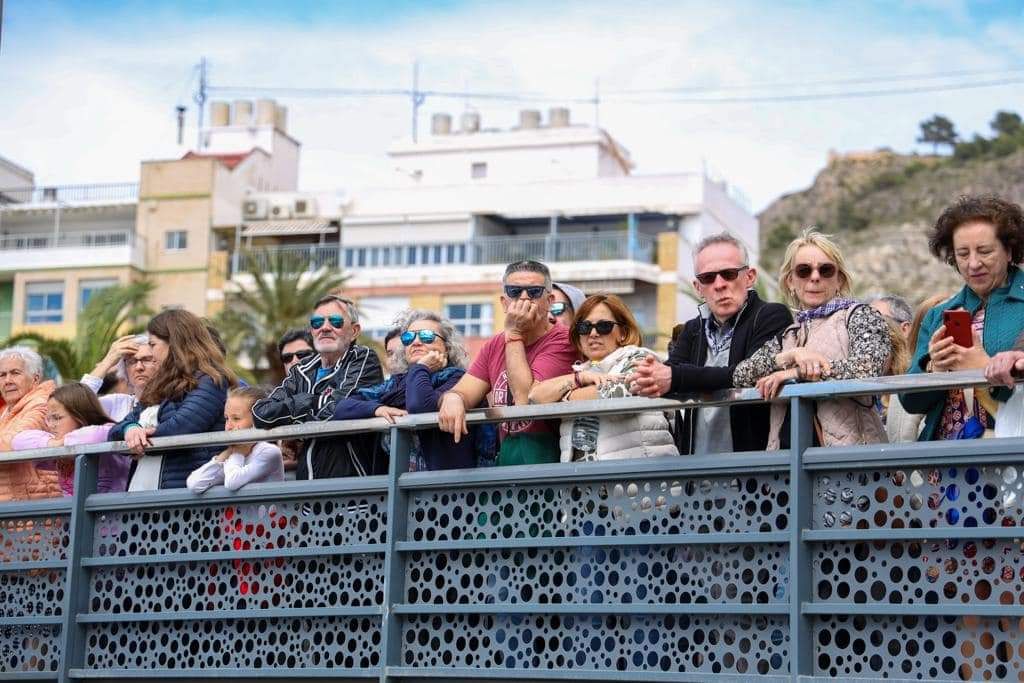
(336, 321)
(557, 308)
(516, 291)
(603, 327)
(286, 358)
(728, 274)
(825, 270)
(426, 336)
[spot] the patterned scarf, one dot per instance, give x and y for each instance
(825, 310)
(719, 336)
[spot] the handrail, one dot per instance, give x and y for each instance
(548, 411)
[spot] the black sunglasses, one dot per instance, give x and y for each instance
(728, 274)
(516, 291)
(426, 336)
(286, 358)
(336, 321)
(603, 327)
(825, 270)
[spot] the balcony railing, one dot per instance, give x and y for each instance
(487, 250)
(49, 240)
(894, 561)
(70, 194)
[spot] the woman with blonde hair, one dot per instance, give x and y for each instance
(607, 335)
(834, 337)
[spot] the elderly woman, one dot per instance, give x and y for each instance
(431, 361)
(23, 397)
(607, 335)
(982, 238)
(834, 337)
(131, 358)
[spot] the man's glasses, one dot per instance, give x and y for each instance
(825, 270)
(603, 327)
(336, 321)
(728, 274)
(516, 291)
(286, 358)
(557, 308)
(426, 336)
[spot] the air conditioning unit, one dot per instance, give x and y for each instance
(254, 209)
(304, 208)
(279, 211)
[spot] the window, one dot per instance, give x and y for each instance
(471, 320)
(87, 288)
(478, 170)
(175, 240)
(44, 302)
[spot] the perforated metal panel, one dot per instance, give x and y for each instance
(742, 645)
(931, 497)
(930, 648)
(609, 508)
(33, 539)
(328, 642)
(35, 592)
(749, 573)
(29, 648)
(318, 522)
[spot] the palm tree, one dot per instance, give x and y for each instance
(110, 313)
(282, 296)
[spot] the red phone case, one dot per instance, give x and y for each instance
(958, 326)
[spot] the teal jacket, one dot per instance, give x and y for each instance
(1004, 321)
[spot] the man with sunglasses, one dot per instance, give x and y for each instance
(313, 386)
(530, 350)
(732, 325)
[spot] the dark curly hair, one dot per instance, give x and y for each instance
(1005, 216)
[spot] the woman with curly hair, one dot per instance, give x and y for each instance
(185, 395)
(982, 238)
(429, 362)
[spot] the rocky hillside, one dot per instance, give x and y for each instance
(879, 205)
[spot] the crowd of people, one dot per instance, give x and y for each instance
(558, 344)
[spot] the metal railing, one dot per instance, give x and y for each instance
(311, 257)
(896, 561)
(70, 194)
(49, 240)
(588, 247)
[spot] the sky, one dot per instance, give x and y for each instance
(89, 87)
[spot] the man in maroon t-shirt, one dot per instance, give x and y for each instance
(530, 350)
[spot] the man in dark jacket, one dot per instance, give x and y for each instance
(732, 325)
(312, 387)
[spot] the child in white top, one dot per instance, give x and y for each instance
(239, 464)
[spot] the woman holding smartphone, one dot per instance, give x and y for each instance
(982, 238)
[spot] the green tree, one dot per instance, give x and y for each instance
(282, 297)
(938, 130)
(111, 312)
(1006, 123)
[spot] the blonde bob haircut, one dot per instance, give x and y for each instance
(620, 312)
(811, 237)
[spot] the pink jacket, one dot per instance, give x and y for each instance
(113, 467)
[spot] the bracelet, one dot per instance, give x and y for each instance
(130, 426)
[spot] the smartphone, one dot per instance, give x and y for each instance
(958, 326)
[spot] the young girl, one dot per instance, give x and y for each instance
(74, 417)
(242, 463)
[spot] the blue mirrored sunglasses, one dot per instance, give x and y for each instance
(426, 336)
(557, 308)
(336, 321)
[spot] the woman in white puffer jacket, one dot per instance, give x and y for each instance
(607, 335)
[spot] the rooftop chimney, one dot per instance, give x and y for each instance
(529, 119)
(266, 112)
(558, 117)
(241, 114)
(441, 124)
(220, 113)
(470, 122)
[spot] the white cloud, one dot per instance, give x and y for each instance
(86, 106)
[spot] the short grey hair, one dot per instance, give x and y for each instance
(902, 311)
(32, 360)
(454, 345)
(528, 267)
(121, 369)
(347, 304)
(722, 238)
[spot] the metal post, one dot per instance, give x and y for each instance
(550, 243)
(56, 226)
(801, 661)
(631, 238)
(237, 256)
(394, 567)
(76, 594)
